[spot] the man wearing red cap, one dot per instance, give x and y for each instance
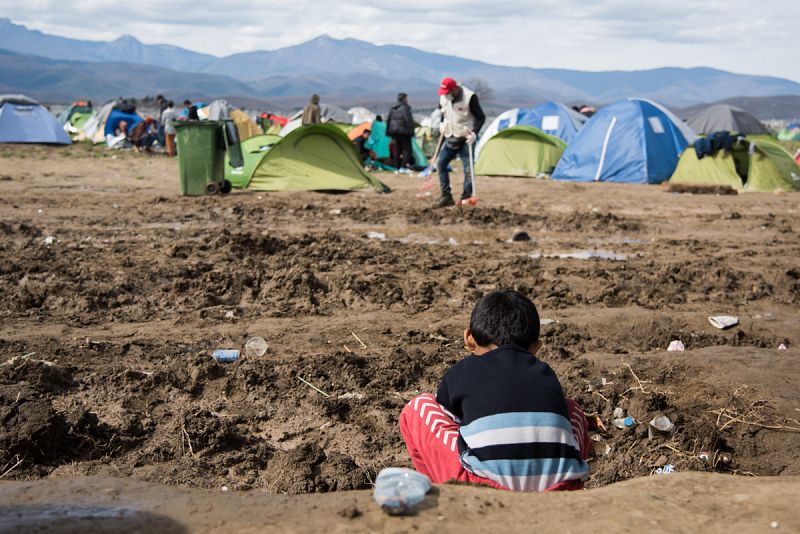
(462, 119)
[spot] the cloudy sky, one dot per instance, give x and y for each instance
(753, 37)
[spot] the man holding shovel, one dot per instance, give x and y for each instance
(462, 119)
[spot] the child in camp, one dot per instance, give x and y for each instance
(500, 417)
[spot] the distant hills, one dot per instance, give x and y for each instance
(343, 71)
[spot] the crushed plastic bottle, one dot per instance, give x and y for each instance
(398, 490)
(255, 347)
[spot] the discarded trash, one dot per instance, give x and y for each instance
(783, 346)
(376, 235)
(224, 488)
(704, 456)
(348, 396)
(723, 321)
(335, 211)
(619, 412)
(49, 240)
(774, 524)
(255, 347)
(520, 235)
(599, 383)
(676, 345)
(582, 255)
(225, 355)
(452, 241)
(230, 314)
(667, 469)
(624, 422)
(660, 425)
(398, 490)
(545, 322)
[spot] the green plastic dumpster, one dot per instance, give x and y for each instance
(201, 155)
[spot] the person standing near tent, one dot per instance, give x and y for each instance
(400, 127)
(170, 114)
(462, 119)
(311, 113)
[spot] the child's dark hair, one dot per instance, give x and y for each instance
(504, 317)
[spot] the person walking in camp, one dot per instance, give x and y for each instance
(400, 127)
(462, 119)
(311, 113)
(170, 114)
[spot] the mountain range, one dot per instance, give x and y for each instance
(343, 71)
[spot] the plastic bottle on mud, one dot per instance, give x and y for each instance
(398, 490)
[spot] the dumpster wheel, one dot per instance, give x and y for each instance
(225, 187)
(211, 188)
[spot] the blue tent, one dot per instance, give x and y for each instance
(116, 116)
(631, 141)
(23, 120)
(553, 118)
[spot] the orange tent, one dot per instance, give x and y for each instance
(358, 130)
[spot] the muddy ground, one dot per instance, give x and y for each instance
(116, 290)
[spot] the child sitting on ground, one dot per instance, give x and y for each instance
(500, 417)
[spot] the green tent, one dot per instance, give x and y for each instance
(520, 151)
(313, 158)
(749, 166)
(253, 149)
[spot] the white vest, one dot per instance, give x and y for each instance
(457, 118)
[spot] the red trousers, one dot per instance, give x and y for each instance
(431, 437)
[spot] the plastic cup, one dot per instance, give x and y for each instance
(255, 347)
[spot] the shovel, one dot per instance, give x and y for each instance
(428, 184)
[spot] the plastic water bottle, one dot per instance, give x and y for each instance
(398, 490)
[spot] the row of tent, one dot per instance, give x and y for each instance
(635, 141)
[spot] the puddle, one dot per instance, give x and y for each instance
(582, 255)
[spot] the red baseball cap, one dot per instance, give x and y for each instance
(447, 85)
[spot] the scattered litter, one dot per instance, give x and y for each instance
(667, 469)
(599, 383)
(312, 386)
(255, 347)
(520, 235)
(398, 490)
(660, 425)
(376, 235)
(347, 396)
(582, 255)
(726, 460)
(452, 241)
(225, 355)
(774, 524)
(676, 345)
(39, 211)
(704, 456)
(335, 211)
(230, 314)
(624, 422)
(545, 322)
(49, 240)
(764, 316)
(224, 488)
(619, 412)
(783, 346)
(723, 321)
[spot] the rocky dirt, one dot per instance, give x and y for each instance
(116, 290)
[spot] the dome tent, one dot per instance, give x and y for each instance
(747, 166)
(723, 117)
(520, 151)
(317, 157)
(24, 120)
(552, 118)
(631, 141)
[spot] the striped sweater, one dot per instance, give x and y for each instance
(515, 429)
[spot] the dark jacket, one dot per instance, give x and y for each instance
(400, 121)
